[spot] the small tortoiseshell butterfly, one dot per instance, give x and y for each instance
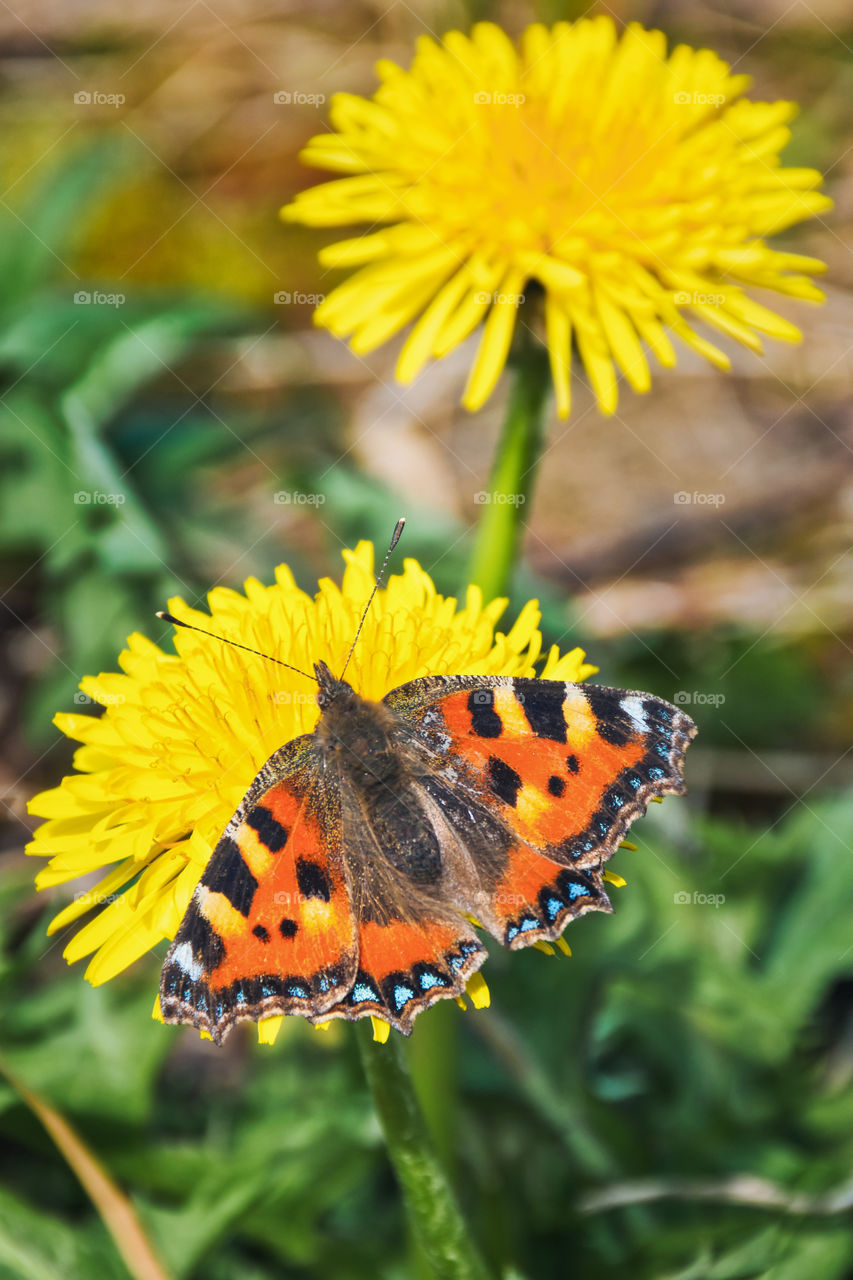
(346, 882)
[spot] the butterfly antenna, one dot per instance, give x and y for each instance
(395, 538)
(169, 617)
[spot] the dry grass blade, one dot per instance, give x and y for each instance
(113, 1206)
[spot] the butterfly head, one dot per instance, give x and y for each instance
(329, 687)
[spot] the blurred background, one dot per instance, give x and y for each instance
(677, 1099)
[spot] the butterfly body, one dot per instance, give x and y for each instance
(350, 879)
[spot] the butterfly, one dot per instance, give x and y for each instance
(364, 857)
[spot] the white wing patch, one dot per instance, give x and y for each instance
(183, 957)
(633, 707)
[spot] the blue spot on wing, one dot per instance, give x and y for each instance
(363, 991)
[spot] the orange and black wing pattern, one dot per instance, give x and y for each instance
(269, 929)
(537, 783)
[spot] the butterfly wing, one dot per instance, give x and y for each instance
(534, 783)
(269, 928)
(414, 946)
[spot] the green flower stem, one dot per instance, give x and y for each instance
(434, 1215)
(513, 471)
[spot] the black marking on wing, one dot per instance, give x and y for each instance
(504, 781)
(228, 874)
(543, 705)
(312, 880)
(485, 721)
(207, 946)
(270, 831)
(614, 724)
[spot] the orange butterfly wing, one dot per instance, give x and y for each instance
(269, 929)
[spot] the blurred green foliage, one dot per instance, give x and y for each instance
(681, 1041)
(70, 364)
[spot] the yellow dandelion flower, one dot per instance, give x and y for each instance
(183, 735)
(633, 186)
